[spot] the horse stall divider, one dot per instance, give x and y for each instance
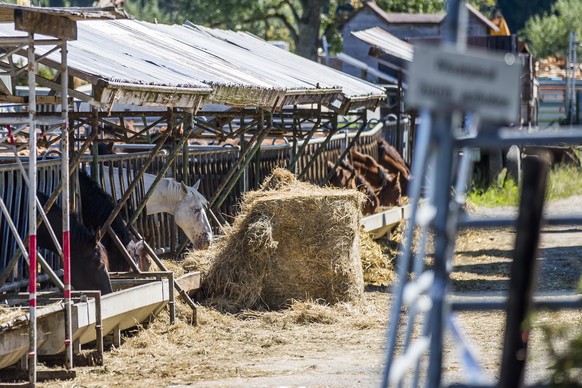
(345, 152)
(66, 235)
(43, 262)
(297, 154)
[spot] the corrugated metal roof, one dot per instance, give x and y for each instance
(133, 43)
(299, 89)
(124, 70)
(139, 63)
(387, 42)
(73, 13)
(356, 93)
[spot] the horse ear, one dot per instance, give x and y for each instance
(184, 187)
(140, 246)
(196, 185)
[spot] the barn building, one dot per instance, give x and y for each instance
(405, 26)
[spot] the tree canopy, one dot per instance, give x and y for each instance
(548, 34)
(300, 22)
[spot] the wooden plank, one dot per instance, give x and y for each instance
(41, 375)
(50, 100)
(13, 99)
(53, 25)
(53, 100)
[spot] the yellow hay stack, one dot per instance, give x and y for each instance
(291, 241)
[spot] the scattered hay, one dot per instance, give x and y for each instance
(279, 179)
(8, 314)
(200, 260)
(303, 313)
(176, 267)
(291, 240)
(377, 265)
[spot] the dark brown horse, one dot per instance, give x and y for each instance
(350, 179)
(390, 159)
(386, 185)
(89, 259)
(96, 206)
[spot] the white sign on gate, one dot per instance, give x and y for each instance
(472, 81)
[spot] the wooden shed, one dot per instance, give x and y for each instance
(405, 26)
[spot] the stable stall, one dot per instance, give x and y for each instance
(157, 89)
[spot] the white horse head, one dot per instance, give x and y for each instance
(185, 203)
(190, 216)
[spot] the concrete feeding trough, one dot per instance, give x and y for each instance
(380, 224)
(92, 317)
(14, 334)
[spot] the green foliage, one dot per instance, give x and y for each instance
(504, 192)
(150, 11)
(548, 34)
(563, 182)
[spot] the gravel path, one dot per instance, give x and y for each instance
(344, 346)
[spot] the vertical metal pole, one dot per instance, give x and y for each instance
(571, 78)
(399, 131)
(65, 193)
(32, 212)
(574, 119)
(95, 153)
(454, 33)
(403, 261)
(185, 155)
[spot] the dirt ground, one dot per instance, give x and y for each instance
(342, 346)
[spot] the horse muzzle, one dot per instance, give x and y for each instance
(203, 241)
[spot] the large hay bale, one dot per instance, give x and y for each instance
(291, 241)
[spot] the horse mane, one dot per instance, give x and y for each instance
(78, 232)
(97, 206)
(101, 206)
(103, 258)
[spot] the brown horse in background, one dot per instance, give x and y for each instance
(390, 159)
(386, 185)
(348, 178)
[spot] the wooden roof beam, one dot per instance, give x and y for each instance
(41, 23)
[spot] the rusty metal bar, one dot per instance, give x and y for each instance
(221, 193)
(318, 152)
(123, 249)
(346, 151)
(303, 147)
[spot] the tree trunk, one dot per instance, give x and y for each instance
(308, 28)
